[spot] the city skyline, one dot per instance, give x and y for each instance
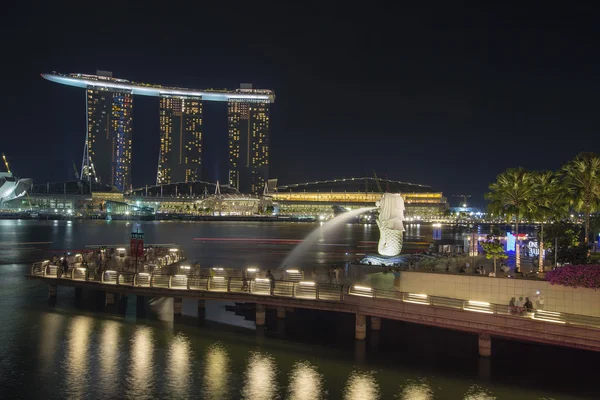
(109, 111)
(447, 96)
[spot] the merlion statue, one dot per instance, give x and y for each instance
(391, 215)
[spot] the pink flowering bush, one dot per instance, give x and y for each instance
(585, 276)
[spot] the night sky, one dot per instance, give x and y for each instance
(445, 96)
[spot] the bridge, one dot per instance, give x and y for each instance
(482, 318)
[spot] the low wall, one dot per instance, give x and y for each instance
(500, 290)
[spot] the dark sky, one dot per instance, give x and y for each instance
(442, 95)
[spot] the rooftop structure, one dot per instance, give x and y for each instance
(106, 81)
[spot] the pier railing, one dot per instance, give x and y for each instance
(304, 290)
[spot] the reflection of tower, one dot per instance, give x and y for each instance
(109, 119)
(180, 157)
(248, 143)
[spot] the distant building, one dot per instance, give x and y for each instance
(180, 158)
(248, 122)
(107, 154)
(323, 197)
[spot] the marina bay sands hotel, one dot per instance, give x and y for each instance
(109, 108)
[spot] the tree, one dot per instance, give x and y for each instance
(493, 250)
(549, 204)
(511, 196)
(581, 177)
(565, 243)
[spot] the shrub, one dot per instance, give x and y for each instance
(585, 276)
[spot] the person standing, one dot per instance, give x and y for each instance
(540, 301)
(336, 272)
(271, 279)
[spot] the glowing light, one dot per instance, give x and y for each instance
(361, 385)
(143, 274)
(173, 250)
(140, 379)
(305, 382)
(120, 249)
(307, 283)
(217, 269)
(437, 225)
(185, 267)
(262, 280)
(216, 373)
(422, 296)
(78, 344)
(292, 271)
(479, 303)
(548, 320)
(368, 289)
(260, 378)
(178, 368)
(416, 391)
(252, 269)
(109, 355)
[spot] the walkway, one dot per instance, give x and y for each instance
(562, 329)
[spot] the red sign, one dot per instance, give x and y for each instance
(140, 247)
(132, 247)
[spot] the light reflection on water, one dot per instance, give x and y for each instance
(260, 378)
(216, 373)
(109, 356)
(416, 390)
(306, 383)
(48, 341)
(140, 378)
(476, 392)
(77, 357)
(178, 368)
(361, 386)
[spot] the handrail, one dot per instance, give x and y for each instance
(319, 291)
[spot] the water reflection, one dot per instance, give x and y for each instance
(476, 392)
(361, 386)
(306, 383)
(109, 356)
(414, 390)
(50, 325)
(216, 373)
(260, 380)
(140, 378)
(178, 368)
(75, 363)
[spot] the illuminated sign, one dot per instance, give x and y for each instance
(510, 241)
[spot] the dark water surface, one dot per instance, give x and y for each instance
(69, 352)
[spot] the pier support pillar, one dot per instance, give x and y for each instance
(260, 315)
(375, 323)
(281, 312)
(52, 289)
(360, 329)
(485, 345)
(177, 306)
(78, 295)
(201, 311)
(109, 299)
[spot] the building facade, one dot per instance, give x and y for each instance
(107, 154)
(180, 158)
(248, 125)
(107, 157)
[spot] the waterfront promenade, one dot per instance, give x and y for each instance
(485, 319)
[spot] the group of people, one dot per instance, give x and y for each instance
(520, 305)
(333, 274)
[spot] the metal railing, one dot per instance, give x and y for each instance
(304, 290)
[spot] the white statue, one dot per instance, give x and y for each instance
(391, 215)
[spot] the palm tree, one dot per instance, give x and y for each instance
(511, 195)
(549, 202)
(581, 177)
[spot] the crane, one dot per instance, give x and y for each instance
(377, 182)
(464, 198)
(75, 170)
(6, 163)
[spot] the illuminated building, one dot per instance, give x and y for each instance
(320, 197)
(248, 122)
(180, 158)
(107, 154)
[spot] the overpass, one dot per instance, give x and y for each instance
(482, 318)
